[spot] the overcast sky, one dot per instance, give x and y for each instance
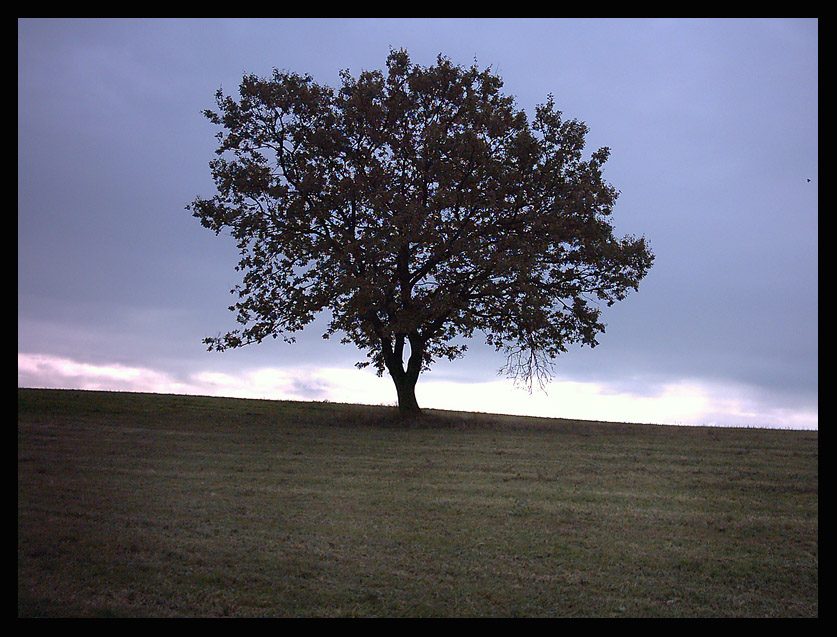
(713, 127)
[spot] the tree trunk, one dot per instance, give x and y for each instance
(404, 379)
(406, 389)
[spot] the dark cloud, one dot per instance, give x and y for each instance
(311, 389)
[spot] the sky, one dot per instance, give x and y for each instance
(713, 131)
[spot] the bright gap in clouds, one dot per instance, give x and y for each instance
(678, 403)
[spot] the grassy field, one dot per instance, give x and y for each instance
(157, 505)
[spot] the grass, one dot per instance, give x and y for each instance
(157, 505)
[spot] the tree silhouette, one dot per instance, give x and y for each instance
(415, 206)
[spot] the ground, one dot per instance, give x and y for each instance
(152, 505)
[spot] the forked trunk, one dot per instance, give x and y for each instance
(405, 379)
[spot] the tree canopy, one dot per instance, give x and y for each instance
(416, 205)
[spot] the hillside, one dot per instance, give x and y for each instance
(158, 505)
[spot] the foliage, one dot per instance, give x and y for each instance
(417, 205)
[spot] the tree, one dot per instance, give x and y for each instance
(415, 206)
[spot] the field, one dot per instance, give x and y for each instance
(156, 505)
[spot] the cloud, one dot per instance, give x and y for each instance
(46, 371)
(42, 370)
(683, 402)
(271, 383)
(692, 402)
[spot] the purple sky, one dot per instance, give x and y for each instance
(713, 127)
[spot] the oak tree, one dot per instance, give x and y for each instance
(415, 206)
